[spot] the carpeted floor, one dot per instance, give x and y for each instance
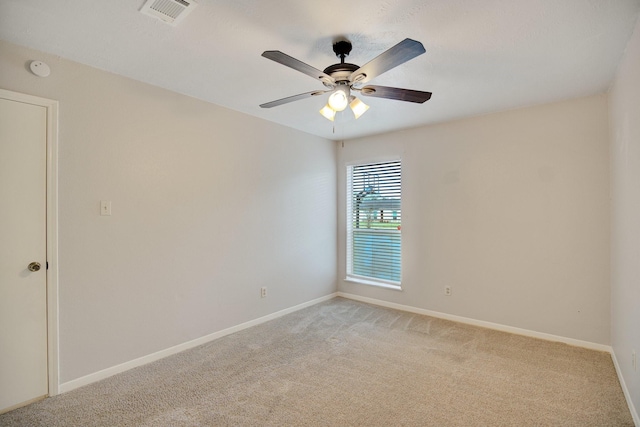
(345, 363)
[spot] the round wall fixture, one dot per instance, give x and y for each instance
(40, 69)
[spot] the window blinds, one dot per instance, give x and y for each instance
(374, 242)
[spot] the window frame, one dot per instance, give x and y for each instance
(350, 275)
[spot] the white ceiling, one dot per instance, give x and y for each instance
(482, 55)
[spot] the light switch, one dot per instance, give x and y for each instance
(105, 207)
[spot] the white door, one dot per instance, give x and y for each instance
(23, 293)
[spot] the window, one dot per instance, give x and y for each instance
(374, 240)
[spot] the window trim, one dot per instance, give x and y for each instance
(350, 276)
(353, 278)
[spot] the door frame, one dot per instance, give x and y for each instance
(51, 107)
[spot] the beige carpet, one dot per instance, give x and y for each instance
(345, 363)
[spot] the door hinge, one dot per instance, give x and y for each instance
(47, 265)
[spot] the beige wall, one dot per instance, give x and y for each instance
(208, 206)
(625, 216)
(511, 210)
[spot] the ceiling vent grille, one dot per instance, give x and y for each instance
(169, 11)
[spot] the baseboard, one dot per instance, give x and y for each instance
(481, 323)
(625, 390)
(106, 373)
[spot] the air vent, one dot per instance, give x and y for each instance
(169, 11)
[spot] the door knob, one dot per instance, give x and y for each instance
(34, 266)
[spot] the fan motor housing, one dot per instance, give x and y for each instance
(341, 72)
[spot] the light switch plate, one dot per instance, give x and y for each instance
(105, 207)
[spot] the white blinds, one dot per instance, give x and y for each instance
(374, 243)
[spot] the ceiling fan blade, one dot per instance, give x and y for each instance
(399, 54)
(408, 95)
(293, 98)
(291, 62)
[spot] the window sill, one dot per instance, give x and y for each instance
(370, 282)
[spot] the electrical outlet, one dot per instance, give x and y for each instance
(263, 291)
(447, 291)
(634, 360)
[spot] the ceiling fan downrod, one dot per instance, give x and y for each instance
(340, 72)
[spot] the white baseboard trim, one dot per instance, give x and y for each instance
(625, 390)
(106, 373)
(481, 323)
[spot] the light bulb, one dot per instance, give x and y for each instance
(339, 99)
(358, 107)
(328, 112)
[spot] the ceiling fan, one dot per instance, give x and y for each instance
(342, 79)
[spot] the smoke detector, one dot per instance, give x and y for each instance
(169, 11)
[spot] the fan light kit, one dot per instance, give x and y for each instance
(340, 79)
